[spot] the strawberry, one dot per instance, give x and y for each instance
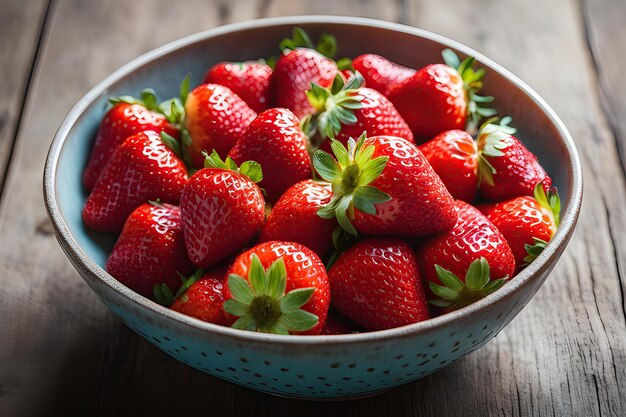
(375, 183)
(506, 169)
(214, 119)
(473, 237)
(294, 217)
(527, 223)
(380, 73)
(337, 324)
(454, 157)
(377, 284)
(222, 209)
(257, 282)
(250, 80)
(201, 296)
(150, 249)
(127, 117)
(274, 140)
(142, 168)
(300, 65)
(441, 97)
(347, 110)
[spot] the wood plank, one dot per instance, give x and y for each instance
(21, 24)
(63, 353)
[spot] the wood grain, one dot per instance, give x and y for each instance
(21, 25)
(63, 353)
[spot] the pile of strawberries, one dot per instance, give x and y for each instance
(312, 196)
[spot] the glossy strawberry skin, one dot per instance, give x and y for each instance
(517, 172)
(204, 298)
(274, 140)
(292, 77)
(377, 116)
(142, 168)
(294, 217)
(215, 118)
(380, 73)
(454, 157)
(121, 121)
(519, 220)
(377, 284)
(222, 210)
(420, 203)
(150, 250)
(432, 101)
(304, 270)
(472, 237)
(249, 80)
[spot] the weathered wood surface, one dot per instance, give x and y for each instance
(63, 353)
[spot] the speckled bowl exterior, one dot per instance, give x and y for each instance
(322, 367)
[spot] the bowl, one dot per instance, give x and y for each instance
(320, 367)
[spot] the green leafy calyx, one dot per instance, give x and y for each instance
(473, 82)
(550, 201)
(534, 250)
(350, 173)
(454, 293)
(334, 106)
(261, 304)
(491, 140)
(326, 45)
(163, 295)
(250, 169)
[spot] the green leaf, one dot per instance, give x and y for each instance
(296, 299)
(372, 169)
(149, 99)
(163, 295)
(240, 289)
(485, 171)
(245, 322)
(534, 250)
(477, 275)
(299, 320)
(365, 198)
(341, 213)
(450, 58)
(188, 282)
(252, 170)
(184, 88)
(185, 137)
(124, 99)
(449, 279)
(279, 328)
(213, 160)
(171, 143)
(494, 285)
(354, 82)
(341, 153)
(327, 45)
(443, 292)
(441, 303)
(271, 61)
(345, 64)
(236, 308)
(326, 166)
(338, 84)
(328, 211)
(276, 279)
(317, 97)
(256, 275)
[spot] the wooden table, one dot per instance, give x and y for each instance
(63, 353)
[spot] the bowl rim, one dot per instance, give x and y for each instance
(525, 278)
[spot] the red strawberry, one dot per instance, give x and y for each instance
(348, 110)
(377, 284)
(441, 97)
(274, 140)
(222, 209)
(142, 168)
(127, 117)
(150, 250)
(294, 217)
(472, 238)
(202, 296)
(250, 80)
(337, 324)
(215, 118)
(257, 281)
(384, 185)
(454, 157)
(527, 223)
(506, 168)
(380, 73)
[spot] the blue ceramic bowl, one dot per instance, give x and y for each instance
(320, 367)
